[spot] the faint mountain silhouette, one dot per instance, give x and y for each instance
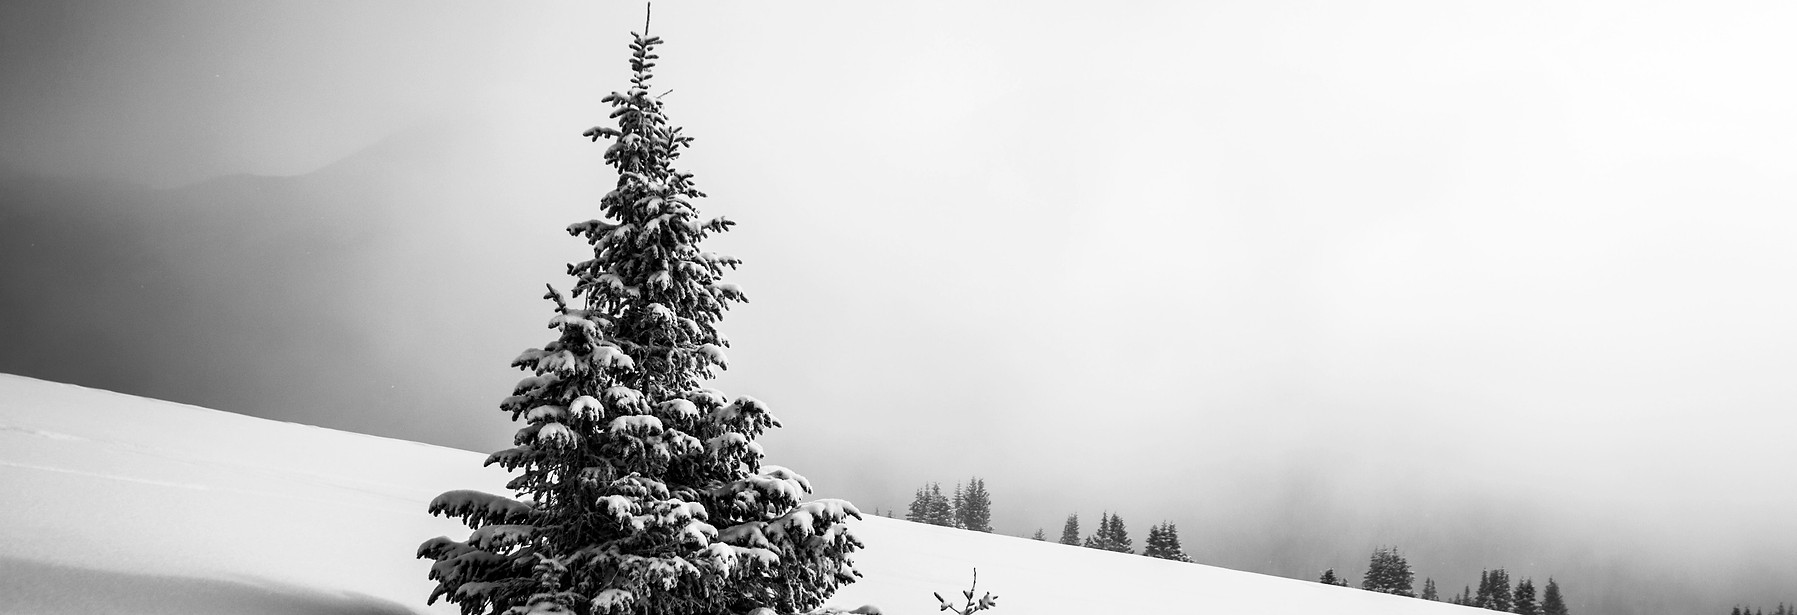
(325, 295)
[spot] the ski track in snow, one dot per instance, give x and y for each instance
(40, 433)
(405, 499)
(412, 506)
(133, 479)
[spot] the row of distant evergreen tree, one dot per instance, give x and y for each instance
(1163, 539)
(1781, 610)
(1389, 573)
(970, 507)
(1495, 593)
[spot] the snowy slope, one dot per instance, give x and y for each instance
(121, 504)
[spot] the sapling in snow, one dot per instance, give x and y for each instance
(986, 601)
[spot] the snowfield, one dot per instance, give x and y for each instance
(121, 504)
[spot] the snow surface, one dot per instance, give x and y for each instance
(121, 504)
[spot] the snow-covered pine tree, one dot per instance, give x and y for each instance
(1330, 578)
(973, 510)
(640, 491)
(1552, 603)
(1070, 531)
(1429, 592)
(1524, 599)
(1388, 573)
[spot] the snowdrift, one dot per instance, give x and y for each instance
(121, 504)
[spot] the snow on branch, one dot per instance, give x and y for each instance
(474, 507)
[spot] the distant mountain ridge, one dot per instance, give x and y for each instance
(107, 280)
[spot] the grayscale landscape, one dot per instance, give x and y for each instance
(1499, 286)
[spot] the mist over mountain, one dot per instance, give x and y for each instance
(1497, 284)
(340, 292)
(385, 293)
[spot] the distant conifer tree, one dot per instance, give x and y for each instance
(973, 509)
(639, 490)
(1388, 573)
(929, 505)
(1483, 598)
(1039, 535)
(1524, 599)
(919, 511)
(942, 512)
(1163, 542)
(1070, 530)
(1329, 578)
(1111, 535)
(1429, 590)
(1120, 541)
(957, 504)
(1552, 603)
(1500, 597)
(1096, 540)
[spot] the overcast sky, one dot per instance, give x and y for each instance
(1190, 260)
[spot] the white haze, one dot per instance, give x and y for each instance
(1504, 285)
